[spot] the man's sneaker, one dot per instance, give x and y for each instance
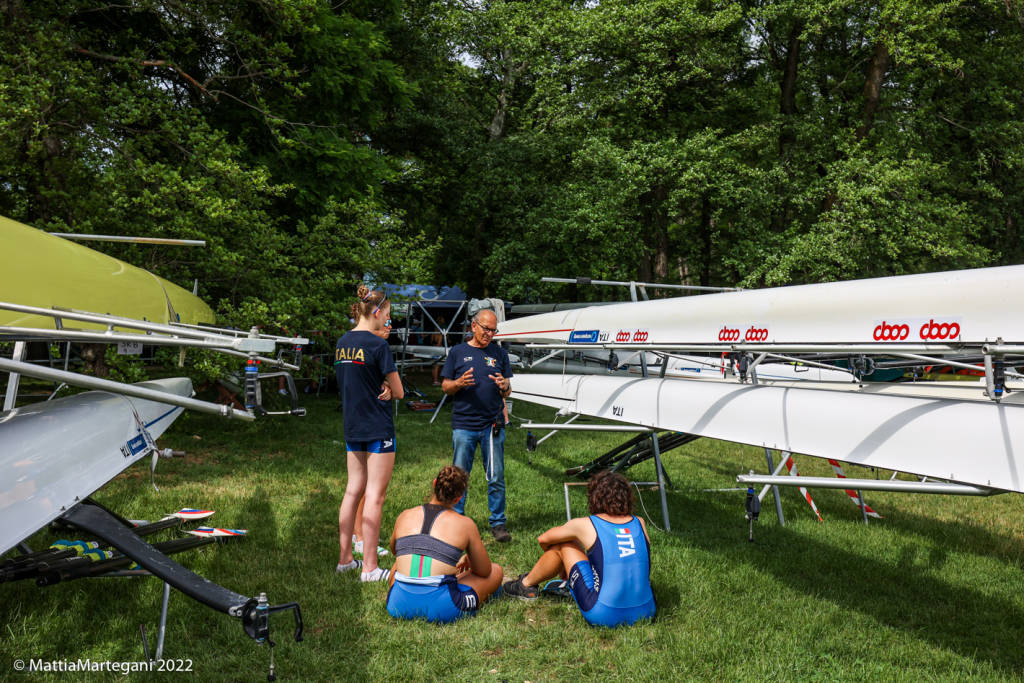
(501, 534)
(516, 589)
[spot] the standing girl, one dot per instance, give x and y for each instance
(366, 371)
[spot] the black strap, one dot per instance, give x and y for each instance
(430, 514)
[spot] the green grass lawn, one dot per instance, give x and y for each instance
(932, 591)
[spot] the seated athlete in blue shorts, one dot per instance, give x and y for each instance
(612, 581)
(432, 579)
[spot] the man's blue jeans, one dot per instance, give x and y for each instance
(492, 451)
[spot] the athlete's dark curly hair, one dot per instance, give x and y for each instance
(609, 492)
(450, 484)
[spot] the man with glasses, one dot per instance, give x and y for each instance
(476, 378)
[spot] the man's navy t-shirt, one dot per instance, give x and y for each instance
(478, 406)
(361, 361)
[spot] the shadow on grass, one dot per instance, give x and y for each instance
(903, 596)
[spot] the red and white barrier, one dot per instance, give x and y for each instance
(857, 500)
(791, 466)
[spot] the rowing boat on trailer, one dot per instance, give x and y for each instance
(966, 306)
(969, 432)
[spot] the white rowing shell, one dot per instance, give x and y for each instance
(941, 431)
(958, 306)
(54, 454)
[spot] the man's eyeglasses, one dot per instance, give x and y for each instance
(489, 330)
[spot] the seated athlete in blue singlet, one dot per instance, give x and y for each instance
(432, 579)
(612, 581)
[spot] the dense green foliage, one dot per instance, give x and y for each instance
(490, 142)
(244, 124)
(724, 143)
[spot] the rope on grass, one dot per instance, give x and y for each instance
(647, 515)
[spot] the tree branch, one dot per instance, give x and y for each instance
(148, 62)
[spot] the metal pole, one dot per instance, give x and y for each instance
(775, 489)
(133, 240)
(132, 390)
(895, 485)
(764, 491)
(585, 427)
(661, 480)
(653, 285)
(438, 409)
(863, 506)
(555, 431)
(163, 622)
(952, 363)
(757, 347)
(568, 510)
(14, 378)
(242, 342)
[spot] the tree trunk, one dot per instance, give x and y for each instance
(880, 62)
(684, 271)
(873, 88)
(496, 130)
(707, 224)
(655, 235)
(787, 91)
(95, 357)
(787, 108)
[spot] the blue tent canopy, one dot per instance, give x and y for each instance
(429, 296)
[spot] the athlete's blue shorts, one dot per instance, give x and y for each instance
(439, 599)
(379, 446)
(581, 583)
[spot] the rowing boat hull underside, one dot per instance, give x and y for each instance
(976, 442)
(56, 453)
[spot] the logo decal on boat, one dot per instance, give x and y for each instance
(133, 447)
(753, 333)
(927, 330)
(886, 332)
(584, 336)
(756, 334)
(940, 331)
(729, 333)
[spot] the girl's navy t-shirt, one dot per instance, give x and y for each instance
(361, 361)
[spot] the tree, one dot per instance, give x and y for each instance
(248, 125)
